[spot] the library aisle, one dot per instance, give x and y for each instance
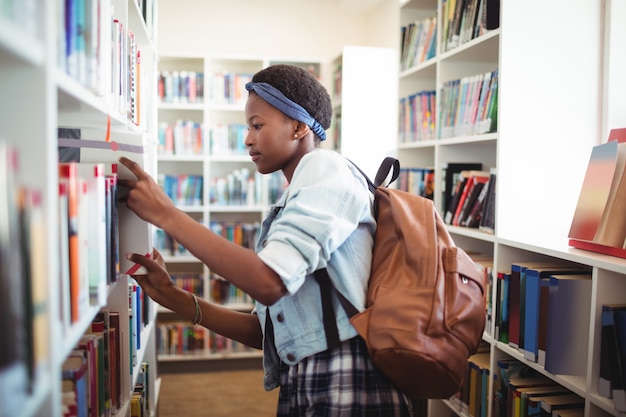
(224, 393)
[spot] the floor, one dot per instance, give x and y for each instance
(236, 393)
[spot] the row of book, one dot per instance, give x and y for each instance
(469, 105)
(228, 88)
(89, 233)
(100, 52)
(516, 390)
(181, 87)
(418, 42)
(186, 339)
(417, 114)
(189, 281)
(418, 181)
(242, 233)
(183, 189)
(93, 379)
(599, 221)
(520, 391)
(463, 20)
(225, 293)
(540, 308)
(24, 286)
(186, 137)
(240, 187)
(469, 196)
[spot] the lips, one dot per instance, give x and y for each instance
(254, 156)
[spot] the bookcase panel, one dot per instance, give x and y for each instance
(38, 99)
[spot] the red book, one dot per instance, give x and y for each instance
(68, 174)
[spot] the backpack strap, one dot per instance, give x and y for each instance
(328, 313)
(321, 275)
(388, 164)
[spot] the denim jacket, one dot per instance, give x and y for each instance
(323, 219)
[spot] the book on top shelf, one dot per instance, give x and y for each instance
(599, 220)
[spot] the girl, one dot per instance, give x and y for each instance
(323, 219)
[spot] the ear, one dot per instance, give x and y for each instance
(301, 129)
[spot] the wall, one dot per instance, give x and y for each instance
(278, 28)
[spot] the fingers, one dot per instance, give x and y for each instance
(133, 167)
(143, 261)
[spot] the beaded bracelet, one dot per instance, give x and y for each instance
(198, 317)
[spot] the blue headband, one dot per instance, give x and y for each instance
(277, 99)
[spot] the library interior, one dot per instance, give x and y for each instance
(509, 129)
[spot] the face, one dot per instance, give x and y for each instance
(270, 138)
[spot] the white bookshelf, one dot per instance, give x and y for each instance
(39, 97)
(548, 121)
(210, 163)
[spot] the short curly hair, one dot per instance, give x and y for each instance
(300, 86)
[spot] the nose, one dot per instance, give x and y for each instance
(247, 140)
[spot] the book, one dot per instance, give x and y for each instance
(479, 364)
(502, 307)
(96, 230)
(611, 367)
(100, 326)
(517, 298)
(551, 403)
(13, 358)
(449, 174)
(614, 319)
(530, 398)
(115, 359)
(68, 174)
(506, 369)
(88, 343)
(598, 223)
(542, 328)
(74, 380)
(569, 310)
(475, 181)
(487, 218)
(569, 412)
(35, 281)
(517, 383)
(474, 213)
(64, 267)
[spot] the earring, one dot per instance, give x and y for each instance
(295, 136)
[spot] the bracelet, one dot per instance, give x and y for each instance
(198, 316)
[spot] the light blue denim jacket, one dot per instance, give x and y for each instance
(324, 219)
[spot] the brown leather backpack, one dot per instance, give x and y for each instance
(425, 309)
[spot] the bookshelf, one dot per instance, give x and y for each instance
(364, 106)
(231, 198)
(44, 91)
(526, 148)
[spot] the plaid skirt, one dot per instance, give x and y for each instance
(341, 381)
